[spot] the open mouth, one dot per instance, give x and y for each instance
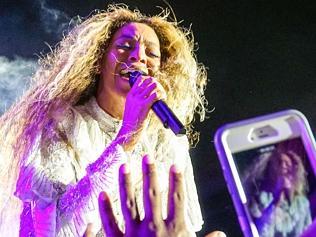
(127, 71)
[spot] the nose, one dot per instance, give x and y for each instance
(138, 54)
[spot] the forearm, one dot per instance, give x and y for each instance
(101, 175)
(39, 186)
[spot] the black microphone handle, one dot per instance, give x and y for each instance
(161, 109)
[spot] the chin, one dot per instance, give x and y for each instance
(122, 85)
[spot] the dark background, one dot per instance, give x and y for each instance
(260, 55)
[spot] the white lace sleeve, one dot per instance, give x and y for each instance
(82, 197)
(62, 207)
(193, 205)
(183, 160)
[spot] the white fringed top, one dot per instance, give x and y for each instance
(63, 177)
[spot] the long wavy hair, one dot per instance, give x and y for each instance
(68, 76)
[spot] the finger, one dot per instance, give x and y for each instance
(89, 231)
(145, 82)
(152, 199)
(161, 91)
(136, 85)
(143, 86)
(107, 217)
(151, 99)
(148, 90)
(128, 204)
(175, 196)
(216, 234)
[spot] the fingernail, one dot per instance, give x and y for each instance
(125, 169)
(220, 234)
(103, 196)
(90, 226)
(175, 169)
(148, 160)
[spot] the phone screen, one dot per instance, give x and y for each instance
(280, 187)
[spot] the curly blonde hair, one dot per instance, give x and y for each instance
(68, 76)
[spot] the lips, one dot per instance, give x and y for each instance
(127, 71)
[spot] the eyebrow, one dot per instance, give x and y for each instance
(151, 43)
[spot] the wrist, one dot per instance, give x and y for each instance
(127, 138)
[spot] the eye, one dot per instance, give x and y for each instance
(154, 55)
(124, 46)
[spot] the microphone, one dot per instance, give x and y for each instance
(161, 109)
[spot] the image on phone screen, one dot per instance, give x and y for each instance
(280, 187)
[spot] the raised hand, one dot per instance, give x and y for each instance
(145, 91)
(153, 224)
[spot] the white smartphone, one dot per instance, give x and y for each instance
(269, 164)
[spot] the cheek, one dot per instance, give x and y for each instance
(118, 57)
(110, 61)
(154, 66)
